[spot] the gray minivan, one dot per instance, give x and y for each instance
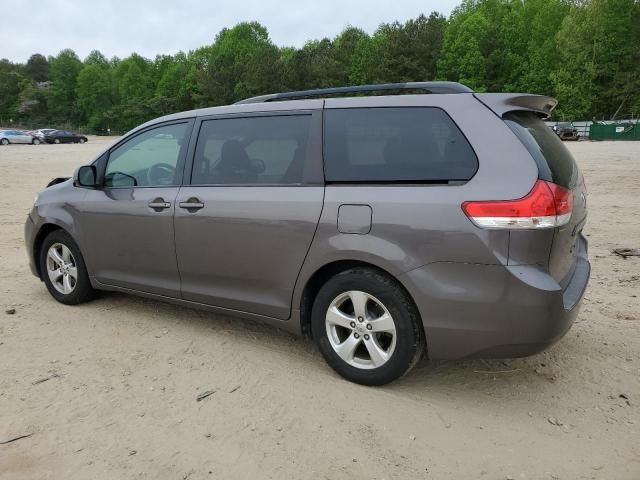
(384, 226)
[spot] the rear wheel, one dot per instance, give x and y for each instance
(82, 140)
(4, 141)
(366, 327)
(36, 141)
(56, 141)
(63, 269)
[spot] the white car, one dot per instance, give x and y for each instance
(16, 136)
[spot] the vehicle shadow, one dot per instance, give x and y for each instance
(497, 377)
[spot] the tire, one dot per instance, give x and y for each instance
(82, 140)
(36, 141)
(380, 296)
(57, 141)
(81, 290)
(4, 141)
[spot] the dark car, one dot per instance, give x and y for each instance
(384, 227)
(566, 131)
(63, 136)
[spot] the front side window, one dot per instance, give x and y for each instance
(251, 151)
(416, 144)
(147, 160)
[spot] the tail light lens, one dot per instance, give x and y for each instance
(547, 205)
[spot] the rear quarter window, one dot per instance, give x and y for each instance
(555, 162)
(413, 145)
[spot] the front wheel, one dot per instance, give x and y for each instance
(63, 269)
(366, 327)
(56, 141)
(36, 141)
(4, 141)
(82, 140)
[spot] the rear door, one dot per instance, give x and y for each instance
(555, 165)
(246, 219)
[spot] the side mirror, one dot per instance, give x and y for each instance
(86, 176)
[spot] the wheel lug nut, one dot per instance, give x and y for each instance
(369, 327)
(360, 319)
(355, 335)
(353, 324)
(366, 337)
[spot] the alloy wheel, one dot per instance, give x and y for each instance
(360, 330)
(62, 268)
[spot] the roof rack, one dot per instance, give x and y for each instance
(428, 87)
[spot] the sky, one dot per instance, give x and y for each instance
(150, 27)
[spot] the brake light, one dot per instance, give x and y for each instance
(547, 205)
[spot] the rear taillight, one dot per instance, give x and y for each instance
(547, 205)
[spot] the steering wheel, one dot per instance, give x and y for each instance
(161, 174)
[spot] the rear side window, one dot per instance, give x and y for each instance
(555, 162)
(414, 145)
(252, 151)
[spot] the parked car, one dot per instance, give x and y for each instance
(17, 136)
(63, 136)
(382, 226)
(42, 132)
(566, 131)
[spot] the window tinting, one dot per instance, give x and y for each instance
(555, 163)
(251, 151)
(395, 145)
(147, 160)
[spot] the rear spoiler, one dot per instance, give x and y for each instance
(501, 103)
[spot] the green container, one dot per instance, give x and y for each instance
(614, 131)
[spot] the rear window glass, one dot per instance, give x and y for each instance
(412, 144)
(555, 162)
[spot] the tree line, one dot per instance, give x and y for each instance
(586, 53)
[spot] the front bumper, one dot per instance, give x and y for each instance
(29, 239)
(489, 311)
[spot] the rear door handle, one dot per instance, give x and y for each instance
(159, 204)
(192, 204)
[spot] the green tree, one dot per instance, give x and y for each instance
(242, 62)
(11, 83)
(64, 70)
(95, 94)
(599, 68)
(37, 68)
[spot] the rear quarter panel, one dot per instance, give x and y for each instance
(415, 225)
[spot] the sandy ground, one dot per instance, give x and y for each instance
(124, 373)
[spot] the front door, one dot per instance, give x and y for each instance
(247, 219)
(128, 223)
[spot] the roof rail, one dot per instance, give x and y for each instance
(428, 87)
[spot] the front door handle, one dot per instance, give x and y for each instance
(159, 204)
(192, 204)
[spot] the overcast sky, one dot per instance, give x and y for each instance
(150, 27)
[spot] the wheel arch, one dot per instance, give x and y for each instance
(316, 280)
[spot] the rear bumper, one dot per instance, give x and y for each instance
(472, 310)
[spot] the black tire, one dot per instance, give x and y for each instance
(82, 291)
(35, 141)
(4, 141)
(82, 140)
(410, 342)
(56, 141)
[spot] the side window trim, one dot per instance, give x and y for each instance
(313, 169)
(103, 161)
